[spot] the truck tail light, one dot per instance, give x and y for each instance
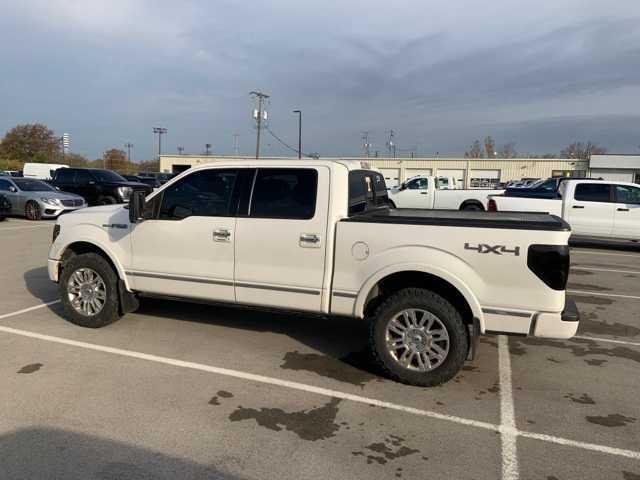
(550, 263)
(492, 206)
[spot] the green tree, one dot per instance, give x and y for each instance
(30, 143)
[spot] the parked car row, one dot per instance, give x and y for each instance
(36, 199)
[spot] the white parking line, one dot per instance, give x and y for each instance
(610, 340)
(508, 431)
(323, 391)
(30, 309)
(599, 294)
(577, 267)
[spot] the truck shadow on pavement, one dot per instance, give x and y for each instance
(46, 453)
(342, 343)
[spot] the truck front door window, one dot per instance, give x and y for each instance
(418, 184)
(284, 193)
(206, 193)
(593, 192)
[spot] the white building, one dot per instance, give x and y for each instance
(623, 168)
(474, 173)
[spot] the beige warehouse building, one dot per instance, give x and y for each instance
(473, 173)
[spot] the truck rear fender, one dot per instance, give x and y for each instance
(426, 262)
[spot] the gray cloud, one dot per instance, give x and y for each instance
(542, 75)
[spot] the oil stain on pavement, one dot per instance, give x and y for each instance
(583, 399)
(222, 394)
(391, 448)
(346, 370)
(611, 420)
(314, 424)
(31, 368)
(591, 300)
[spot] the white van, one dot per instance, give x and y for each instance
(41, 171)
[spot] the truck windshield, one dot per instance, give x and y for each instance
(33, 185)
(107, 176)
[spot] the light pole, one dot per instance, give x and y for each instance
(180, 150)
(299, 112)
(207, 149)
(160, 131)
(128, 146)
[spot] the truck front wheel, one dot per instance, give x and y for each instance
(89, 291)
(418, 337)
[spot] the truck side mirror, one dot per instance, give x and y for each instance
(13, 189)
(136, 207)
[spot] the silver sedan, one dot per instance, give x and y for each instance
(36, 199)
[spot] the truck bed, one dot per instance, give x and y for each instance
(458, 218)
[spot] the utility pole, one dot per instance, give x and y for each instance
(207, 149)
(258, 114)
(299, 112)
(160, 131)
(365, 144)
(180, 150)
(128, 146)
(236, 144)
(391, 144)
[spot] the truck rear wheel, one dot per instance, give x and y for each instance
(418, 337)
(89, 291)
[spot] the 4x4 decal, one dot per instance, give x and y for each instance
(497, 249)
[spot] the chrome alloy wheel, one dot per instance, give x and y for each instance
(87, 292)
(417, 340)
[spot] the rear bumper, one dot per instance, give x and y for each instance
(559, 325)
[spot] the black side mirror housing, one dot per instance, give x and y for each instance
(136, 206)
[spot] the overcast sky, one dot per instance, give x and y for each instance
(440, 73)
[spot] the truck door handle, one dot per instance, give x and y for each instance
(222, 235)
(578, 206)
(309, 240)
(623, 209)
(424, 193)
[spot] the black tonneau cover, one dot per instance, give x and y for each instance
(460, 218)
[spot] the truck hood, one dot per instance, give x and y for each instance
(99, 216)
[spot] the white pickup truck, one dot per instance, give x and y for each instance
(317, 236)
(593, 208)
(423, 191)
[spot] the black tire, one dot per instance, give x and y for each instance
(472, 207)
(32, 211)
(446, 313)
(107, 200)
(110, 311)
(391, 204)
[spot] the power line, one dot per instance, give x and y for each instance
(285, 143)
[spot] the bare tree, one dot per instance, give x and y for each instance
(475, 151)
(508, 150)
(116, 159)
(490, 147)
(582, 151)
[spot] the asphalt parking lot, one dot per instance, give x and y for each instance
(180, 390)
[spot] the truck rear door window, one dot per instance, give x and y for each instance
(367, 190)
(284, 193)
(206, 193)
(65, 175)
(593, 192)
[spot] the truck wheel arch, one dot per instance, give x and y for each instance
(401, 276)
(477, 205)
(80, 247)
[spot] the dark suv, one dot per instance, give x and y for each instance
(98, 187)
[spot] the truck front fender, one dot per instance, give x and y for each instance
(99, 238)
